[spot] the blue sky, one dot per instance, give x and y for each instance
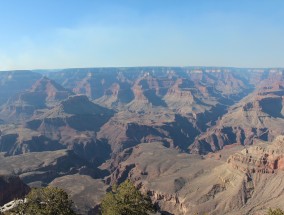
(83, 33)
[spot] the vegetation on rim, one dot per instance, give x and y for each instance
(126, 199)
(45, 201)
(276, 211)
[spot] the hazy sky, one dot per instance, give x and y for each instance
(89, 33)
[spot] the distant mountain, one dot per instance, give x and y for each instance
(50, 90)
(76, 112)
(259, 115)
(199, 96)
(13, 82)
(73, 124)
(44, 93)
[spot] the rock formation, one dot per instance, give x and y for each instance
(261, 158)
(259, 115)
(13, 82)
(43, 94)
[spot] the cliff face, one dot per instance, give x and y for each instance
(260, 159)
(228, 182)
(259, 115)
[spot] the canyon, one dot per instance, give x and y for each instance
(195, 139)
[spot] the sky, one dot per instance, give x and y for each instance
(54, 34)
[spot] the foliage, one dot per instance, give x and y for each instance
(275, 212)
(126, 199)
(45, 201)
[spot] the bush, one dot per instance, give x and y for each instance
(45, 201)
(126, 199)
(275, 212)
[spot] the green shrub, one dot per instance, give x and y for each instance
(45, 201)
(275, 212)
(126, 199)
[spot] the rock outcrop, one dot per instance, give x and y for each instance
(260, 159)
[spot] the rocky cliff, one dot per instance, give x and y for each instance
(236, 180)
(261, 158)
(259, 115)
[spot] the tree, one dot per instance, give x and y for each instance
(275, 212)
(45, 201)
(126, 199)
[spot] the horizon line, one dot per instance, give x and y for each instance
(126, 67)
